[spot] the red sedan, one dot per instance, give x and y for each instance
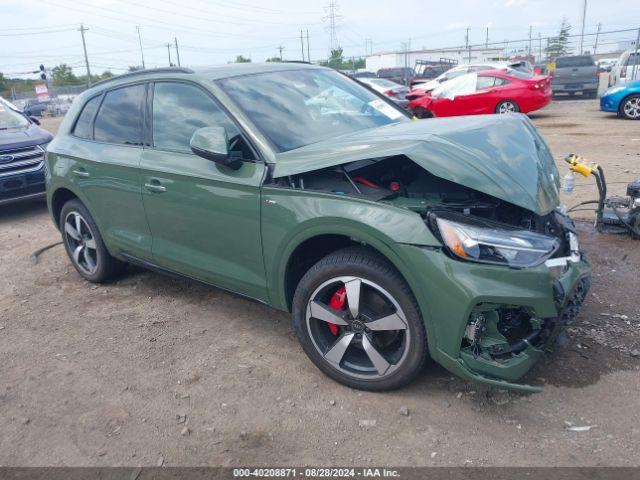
(493, 91)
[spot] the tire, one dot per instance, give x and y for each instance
(360, 356)
(423, 113)
(84, 244)
(630, 107)
(507, 106)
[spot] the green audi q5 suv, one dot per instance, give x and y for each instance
(389, 240)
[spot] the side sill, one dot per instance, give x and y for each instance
(172, 273)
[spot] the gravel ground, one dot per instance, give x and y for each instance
(152, 370)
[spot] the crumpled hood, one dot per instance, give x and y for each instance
(501, 155)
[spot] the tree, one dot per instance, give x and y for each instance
(4, 85)
(242, 59)
(106, 74)
(558, 46)
(134, 68)
(335, 58)
(274, 59)
(63, 75)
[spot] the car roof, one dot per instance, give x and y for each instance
(202, 73)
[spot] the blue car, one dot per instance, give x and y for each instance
(22, 148)
(623, 99)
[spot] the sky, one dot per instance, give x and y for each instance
(211, 32)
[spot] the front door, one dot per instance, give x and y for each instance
(204, 218)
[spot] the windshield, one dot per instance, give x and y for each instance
(462, 85)
(294, 108)
(9, 118)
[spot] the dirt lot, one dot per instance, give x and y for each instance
(154, 370)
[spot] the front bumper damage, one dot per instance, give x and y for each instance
(492, 324)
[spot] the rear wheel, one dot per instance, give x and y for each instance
(358, 321)
(507, 106)
(84, 244)
(630, 107)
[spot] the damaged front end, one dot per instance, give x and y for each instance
(507, 276)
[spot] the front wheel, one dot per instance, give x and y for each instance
(358, 321)
(630, 107)
(507, 106)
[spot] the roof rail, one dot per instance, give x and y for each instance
(140, 72)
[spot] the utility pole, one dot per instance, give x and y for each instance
(584, 18)
(140, 41)
(530, 33)
(486, 41)
(468, 47)
(175, 40)
(595, 45)
(308, 50)
(302, 45)
(540, 45)
(169, 53)
(280, 48)
(635, 56)
(86, 58)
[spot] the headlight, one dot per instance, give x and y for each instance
(613, 90)
(479, 240)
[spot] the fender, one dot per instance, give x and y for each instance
(358, 231)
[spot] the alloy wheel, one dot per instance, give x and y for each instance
(81, 242)
(367, 336)
(632, 108)
(507, 107)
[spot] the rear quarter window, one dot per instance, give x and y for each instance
(83, 128)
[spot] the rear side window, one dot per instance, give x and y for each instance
(119, 119)
(179, 110)
(83, 125)
(583, 61)
(633, 58)
(485, 83)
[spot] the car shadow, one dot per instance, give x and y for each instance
(22, 210)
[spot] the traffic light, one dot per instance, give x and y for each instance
(43, 72)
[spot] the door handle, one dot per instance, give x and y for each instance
(154, 186)
(81, 173)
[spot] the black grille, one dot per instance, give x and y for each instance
(21, 160)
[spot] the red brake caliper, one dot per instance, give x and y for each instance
(337, 302)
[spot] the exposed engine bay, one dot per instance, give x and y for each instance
(401, 182)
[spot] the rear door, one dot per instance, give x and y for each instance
(204, 218)
(104, 165)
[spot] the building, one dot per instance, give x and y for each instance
(408, 59)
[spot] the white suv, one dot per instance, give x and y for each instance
(623, 70)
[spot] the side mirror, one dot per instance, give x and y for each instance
(34, 119)
(212, 143)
